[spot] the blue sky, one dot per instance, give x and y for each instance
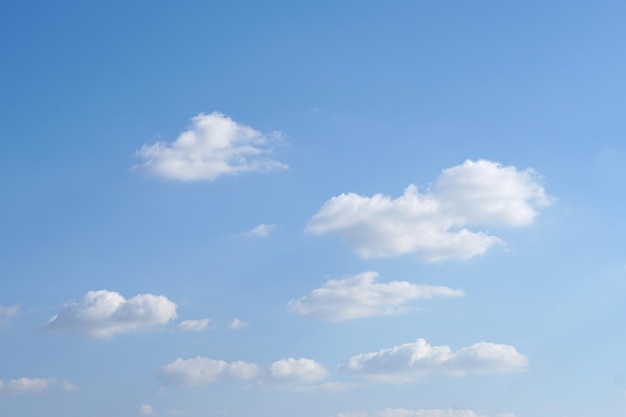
(328, 209)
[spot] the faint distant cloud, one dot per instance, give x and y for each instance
(25, 385)
(103, 314)
(262, 230)
(326, 387)
(362, 296)
(433, 224)
(195, 325)
(412, 361)
(213, 146)
(237, 324)
(176, 412)
(146, 410)
(402, 412)
(200, 371)
(6, 314)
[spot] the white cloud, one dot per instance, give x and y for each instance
(102, 314)
(194, 325)
(213, 146)
(362, 296)
(146, 410)
(433, 224)
(262, 230)
(237, 324)
(22, 386)
(326, 387)
(401, 412)
(200, 371)
(412, 361)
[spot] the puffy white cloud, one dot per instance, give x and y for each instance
(401, 412)
(22, 386)
(102, 314)
(200, 371)
(146, 410)
(362, 296)
(213, 146)
(412, 361)
(262, 230)
(237, 324)
(194, 325)
(296, 370)
(433, 224)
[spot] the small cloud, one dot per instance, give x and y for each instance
(237, 324)
(6, 314)
(24, 385)
(213, 146)
(326, 387)
(195, 325)
(362, 296)
(262, 230)
(402, 412)
(412, 361)
(146, 410)
(176, 412)
(103, 314)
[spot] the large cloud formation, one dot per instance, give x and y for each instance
(102, 314)
(361, 296)
(213, 146)
(200, 371)
(402, 412)
(411, 361)
(434, 224)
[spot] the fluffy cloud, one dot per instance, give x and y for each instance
(146, 410)
(433, 224)
(361, 296)
(22, 386)
(262, 230)
(213, 146)
(194, 325)
(237, 324)
(102, 314)
(411, 361)
(401, 412)
(200, 371)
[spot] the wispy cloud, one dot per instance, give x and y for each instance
(433, 224)
(362, 296)
(262, 230)
(25, 385)
(213, 146)
(195, 325)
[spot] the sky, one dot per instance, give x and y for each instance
(312, 209)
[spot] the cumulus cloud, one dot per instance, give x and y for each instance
(200, 371)
(412, 361)
(194, 325)
(401, 412)
(237, 324)
(22, 386)
(262, 230)
(146, 410)
(433, 224)
(214, 145)
(362, 296)
(103, 314)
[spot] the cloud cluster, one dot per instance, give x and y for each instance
(412, 361)
(102, 314)
(195, 325)
(213, 146)
(401, 412)
(434, 224)
(22, 386)
(200, 371)
(362, 296)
